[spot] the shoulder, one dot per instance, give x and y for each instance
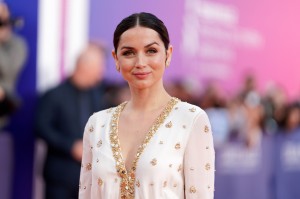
(102, 115)
(188, 110)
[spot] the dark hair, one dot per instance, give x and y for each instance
(142, 19)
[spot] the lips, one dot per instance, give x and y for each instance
(141, 75)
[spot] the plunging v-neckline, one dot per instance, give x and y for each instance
(128, 176)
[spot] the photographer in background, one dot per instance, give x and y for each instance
(13, 53)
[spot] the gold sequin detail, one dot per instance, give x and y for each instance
(192, 189)
(179, 168)
(100, 182)
(206, 129)
(207, 166)
(153, 162)
(165, 184)
(89, 166)
(109, 110)
(91, 129)
(137, 183)
(177, 146)
(192, 109)
(127, 183)
(99, 143)
(169, 125)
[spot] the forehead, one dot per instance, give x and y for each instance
(139, 36)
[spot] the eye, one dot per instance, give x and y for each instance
(128, 53)
(151, 51)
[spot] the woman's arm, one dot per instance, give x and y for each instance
(199, 160)
(86, 165)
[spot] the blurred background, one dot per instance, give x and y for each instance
(238, 60)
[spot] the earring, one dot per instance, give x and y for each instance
(167, 64)
(117, 68)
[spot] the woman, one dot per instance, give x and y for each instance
(154, 145)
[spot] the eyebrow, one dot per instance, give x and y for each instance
(148, 45)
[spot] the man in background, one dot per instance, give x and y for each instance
(61, 117)
(13, 53)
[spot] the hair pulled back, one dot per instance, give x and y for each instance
(142, 19)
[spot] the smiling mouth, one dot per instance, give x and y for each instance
(141, 75)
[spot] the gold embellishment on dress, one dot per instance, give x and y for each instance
(207, 166)
(192, 189)
(169, 124)
(99, 143)
(128, 177)
(177, 146)
(89, 166)
(109, 110)
(137, 183)
(100, 182)
(165, 184)
(153, 162)
(206, 129)
(91, 129)
(161, 142)
(192, 109)
(179, 168)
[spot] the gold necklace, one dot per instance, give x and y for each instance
(128, 177)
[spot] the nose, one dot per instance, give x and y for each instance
(140, 60)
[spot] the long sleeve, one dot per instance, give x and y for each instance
(199, 160)
(86, 165)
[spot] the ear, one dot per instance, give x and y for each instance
(114, 54)
(169, 55)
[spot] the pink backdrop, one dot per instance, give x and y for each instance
(219, 40)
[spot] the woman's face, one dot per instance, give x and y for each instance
(141, 57)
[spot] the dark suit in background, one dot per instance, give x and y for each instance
(62, 114)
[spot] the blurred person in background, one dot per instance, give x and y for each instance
(13, 53)
(287, 154)
(61, 117)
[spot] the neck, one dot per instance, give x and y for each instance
(148, 99)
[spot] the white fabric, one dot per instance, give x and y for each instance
(177, 169)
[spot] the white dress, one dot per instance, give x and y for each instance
(177, 162)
